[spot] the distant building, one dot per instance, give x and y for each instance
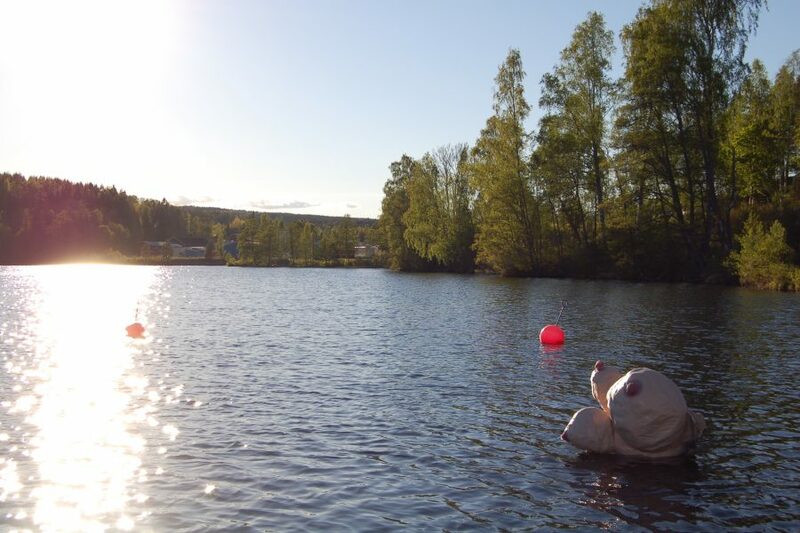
(151, 248)
(231, 249)
(365, 250)
(193, 251)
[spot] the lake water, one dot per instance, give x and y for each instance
(313, 399)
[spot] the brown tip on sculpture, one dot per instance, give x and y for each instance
(632, 388)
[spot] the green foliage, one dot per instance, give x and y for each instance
(675, 136)
(638, 178)
(344, 235)
(751, 142)
(259, 242)
(401, 255)
(306, 244)
(784, 125)
(438, 220)
(423, 218)
(45, 219)
(265, 241)
(506, 212)
(578, 95)
(762, 261)
(219, 234)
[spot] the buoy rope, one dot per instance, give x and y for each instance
(563, 305)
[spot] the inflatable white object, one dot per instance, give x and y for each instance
(603, 377)
(643, 413)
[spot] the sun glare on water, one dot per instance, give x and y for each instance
(81, 399)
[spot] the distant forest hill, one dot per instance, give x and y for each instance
(44, 220)
(227, 216)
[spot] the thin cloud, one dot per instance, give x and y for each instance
(291, 205)
(185, 200)
(352, 206)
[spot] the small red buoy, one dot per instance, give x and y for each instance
(135, 330)
(551, 334)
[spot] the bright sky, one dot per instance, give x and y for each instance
(284, 105)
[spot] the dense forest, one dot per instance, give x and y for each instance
(46, 220)
(686, 168)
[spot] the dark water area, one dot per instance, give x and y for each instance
(314, 399)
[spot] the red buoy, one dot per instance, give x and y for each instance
(551, 334)
(135, 330)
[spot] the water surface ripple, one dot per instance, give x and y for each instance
(312, 399)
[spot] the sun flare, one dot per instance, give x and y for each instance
(110, 62)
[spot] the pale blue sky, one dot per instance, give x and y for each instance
(286, 105)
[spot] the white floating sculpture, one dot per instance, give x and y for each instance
(643, 413)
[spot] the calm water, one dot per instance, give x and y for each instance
(292, 399)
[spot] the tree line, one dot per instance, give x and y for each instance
(267, 241)
(668, 173)
(46, 220)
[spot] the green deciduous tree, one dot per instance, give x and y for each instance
(580, 93)
(219, 233)
(785, 122)
(752, 153)
(683, 63)
(268, 235)
(506, 212)
(246, 241)
(395, 203)
(716, 33)
(438, 220)
(306, 242)
(763, 260)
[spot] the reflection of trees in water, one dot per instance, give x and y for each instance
(654, 495)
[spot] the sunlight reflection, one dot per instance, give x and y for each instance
(81, 396)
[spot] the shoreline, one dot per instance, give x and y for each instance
(351, 263)
(135, 261)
